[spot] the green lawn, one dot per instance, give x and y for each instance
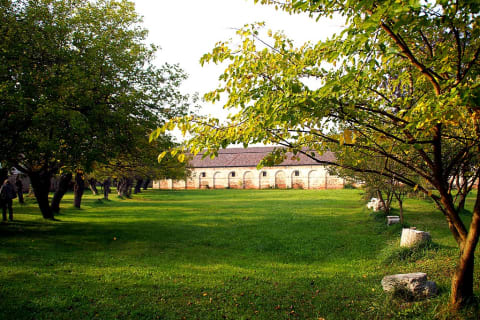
(217, 254)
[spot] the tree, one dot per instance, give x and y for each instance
(75, 77)
(139, 164)
(400, 82)
(463, 181)
(386, 189)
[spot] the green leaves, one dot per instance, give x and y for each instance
(78, 85)
(161, 156)
(379, 89)
(395, 96)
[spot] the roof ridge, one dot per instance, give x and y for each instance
(243, 157)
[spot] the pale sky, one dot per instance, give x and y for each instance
(187, 29)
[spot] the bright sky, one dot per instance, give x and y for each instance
(187, 29)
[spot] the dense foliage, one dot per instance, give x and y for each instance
(400, 83)
(77, 80)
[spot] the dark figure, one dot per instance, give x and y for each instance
(106, 188)
(19, 185)
(7, 193)
(146, 184)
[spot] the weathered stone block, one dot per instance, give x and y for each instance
(411, 237)
(393, 220)
(375, 204)
(410, 286)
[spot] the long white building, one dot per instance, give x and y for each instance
(236, 168)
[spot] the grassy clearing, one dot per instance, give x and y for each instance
(218, 254)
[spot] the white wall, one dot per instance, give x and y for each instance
(309, 177)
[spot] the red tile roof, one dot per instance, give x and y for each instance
(250, 157)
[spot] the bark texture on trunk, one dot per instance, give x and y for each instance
(399, 198)
(78, 189)
(62, 188)
(400, 205)
(124, 187)
(385, 204)
(92, 183)
(461, 202)
(146, 184)
(41, 188)
(462, 281)
(106, 188)
(138, 186)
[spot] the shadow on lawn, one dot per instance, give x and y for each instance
(149, 296)
(125, 263)
(222, 235)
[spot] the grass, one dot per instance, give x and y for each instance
(219, 254)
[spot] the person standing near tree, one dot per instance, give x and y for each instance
(19, 185)
(7, 194)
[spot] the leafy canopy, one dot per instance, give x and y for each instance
(398, 72)
(77, 80)
(399, 84)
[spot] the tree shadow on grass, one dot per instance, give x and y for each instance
(122, 264)
(230, 294)
(285, 237)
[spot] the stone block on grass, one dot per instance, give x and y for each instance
(393, 220)
(410, 286)
(375, 204)
(412, 237)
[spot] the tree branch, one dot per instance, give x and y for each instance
(403, 47)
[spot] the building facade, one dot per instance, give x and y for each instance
(236, 168)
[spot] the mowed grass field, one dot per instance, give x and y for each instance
(219, 254)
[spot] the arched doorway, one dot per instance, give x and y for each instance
(263, 180)
(219, 180)
(203, 181)
(297, 180)
(280, 180)
(233, 181)
(248, 180)
(315, 180)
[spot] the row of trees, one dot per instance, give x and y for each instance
(79, 91)
(395, 95)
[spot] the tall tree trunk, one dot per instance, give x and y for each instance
(461, 202)
(41, 187)
(138, 186)
(106, 188)
(78, 189)
(400, 206)
(121, 187)
(382, 201)
(462, 281)
(388, 200)
(92, 183)
(124, 187)
(146, 184)
(62, 188)
(129, 186)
